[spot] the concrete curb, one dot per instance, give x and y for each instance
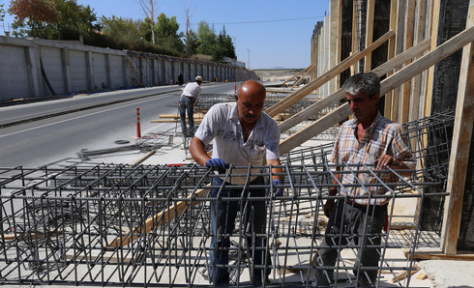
(76, 109)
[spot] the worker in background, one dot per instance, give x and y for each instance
(241, 135)
(188, 99)
(370, 139)
(180, 79)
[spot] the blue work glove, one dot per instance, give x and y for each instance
(277, 190)
(216, 163)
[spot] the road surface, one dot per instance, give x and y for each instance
(48, 140)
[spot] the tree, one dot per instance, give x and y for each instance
(225, 43)
(207, 39)
(149, 7)
(166, 32)
(119, 27)
(2, 13)
(188, 29)
(146, 32)
(30, 15)
(192, 42)
(51, 18)
(71, 15)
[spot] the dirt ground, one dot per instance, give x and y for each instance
(276, 74)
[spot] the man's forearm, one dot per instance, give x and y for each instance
(198, 151)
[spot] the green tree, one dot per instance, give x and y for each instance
(166, 33)
(227, 45)
(51, 18)
(146, 31)
(71, 15)
(2, 13)
(32, 17)
(119, 27)
(192, 42)
(206, 39)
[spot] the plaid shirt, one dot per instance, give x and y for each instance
(383, 136)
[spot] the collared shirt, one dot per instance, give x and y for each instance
(383, 136)
(221, 124)
(192, 90)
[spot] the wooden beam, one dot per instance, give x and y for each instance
(339, 95)
(307, 68)
(420, 35)
(143, 158)
(159, 219)
(302, 77)
(316, 83)
(355, 43)
(434, 40)
(391, 54)
(440, 53)
(399, 40)
(334, 38)
(369, 35)
(458, 162)
(406, 90)
(429, 255)
(196, 121)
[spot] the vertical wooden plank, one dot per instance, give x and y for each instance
(326, 87)
(434, 39)
(321, 60)
(355, 46)
(391, 54)
(369, 35)
(420, 36)
(334, 41)
(399, 39)
(339, 43)
(461, 144)
(409, 28)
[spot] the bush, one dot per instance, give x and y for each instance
(101, 40)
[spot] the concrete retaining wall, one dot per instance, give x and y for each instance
(71, 67)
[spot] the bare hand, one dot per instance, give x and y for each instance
(384, 161)
(328, 207)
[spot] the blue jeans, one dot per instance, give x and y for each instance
(186, 104)
(253, 220)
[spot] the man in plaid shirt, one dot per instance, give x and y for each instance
(368, 139)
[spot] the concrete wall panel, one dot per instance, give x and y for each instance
(13, 75)
(116, 71)
(100, 73)
(53, 67)
(78, 70)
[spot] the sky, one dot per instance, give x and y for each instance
(266, 33)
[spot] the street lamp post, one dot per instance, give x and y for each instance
(235, 43)
(248, 64)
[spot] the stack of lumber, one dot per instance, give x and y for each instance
(172, 118)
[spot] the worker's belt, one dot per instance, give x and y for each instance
(189, 97)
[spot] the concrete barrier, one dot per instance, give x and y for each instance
(71, 67)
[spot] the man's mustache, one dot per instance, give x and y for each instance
(250, 116)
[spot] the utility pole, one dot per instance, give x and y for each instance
(248, 64)
(235, 43)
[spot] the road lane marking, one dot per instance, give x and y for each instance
(75, 118)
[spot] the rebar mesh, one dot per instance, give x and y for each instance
(150, 225)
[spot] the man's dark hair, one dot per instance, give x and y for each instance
(367, 83)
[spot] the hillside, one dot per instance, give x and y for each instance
(279, 74)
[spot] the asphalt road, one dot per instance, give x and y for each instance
(48, 140)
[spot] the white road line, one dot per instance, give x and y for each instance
(75, 118)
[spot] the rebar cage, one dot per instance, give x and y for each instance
(150, 226)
